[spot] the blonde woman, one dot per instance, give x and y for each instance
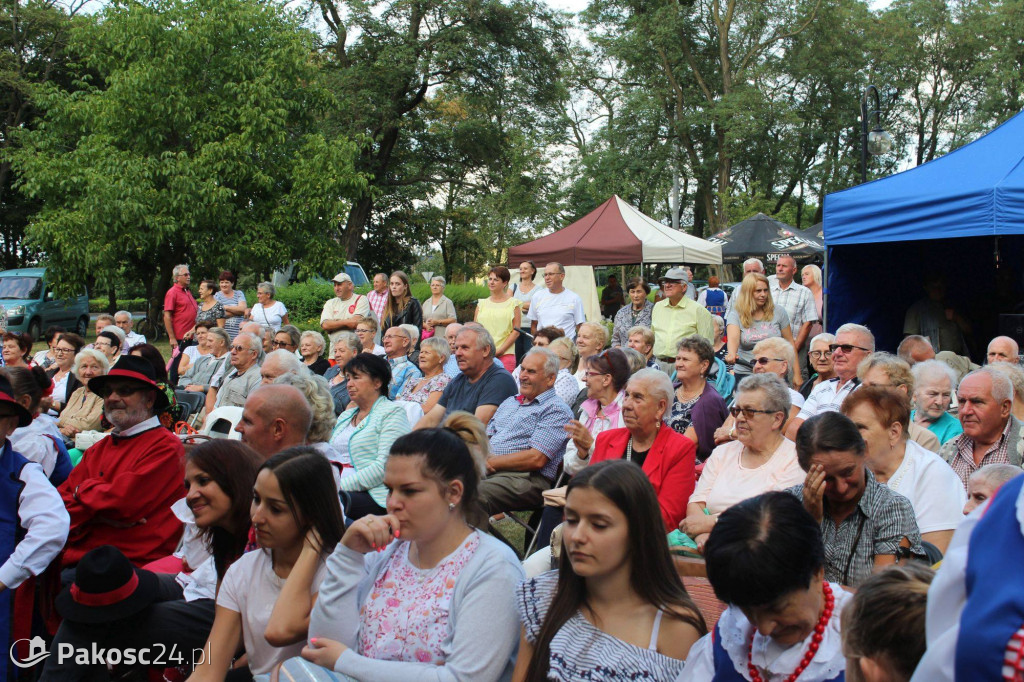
(590, 340)
(811, 278)
(567, 386)
(754, 317)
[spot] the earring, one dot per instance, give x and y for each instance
(451, 506)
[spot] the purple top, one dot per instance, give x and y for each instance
(705, 416)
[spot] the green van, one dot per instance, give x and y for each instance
(31, 306)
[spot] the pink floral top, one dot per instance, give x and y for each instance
(405, 617)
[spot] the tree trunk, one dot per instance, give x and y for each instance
(112, 299)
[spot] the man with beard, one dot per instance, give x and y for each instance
(122, 491)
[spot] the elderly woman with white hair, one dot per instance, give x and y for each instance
(810, 277)
(346, 346)
(438, 310)
(311, 348)
(591, 339)
(84, 411)
(934, 383)
(771, 356)
(666, 456)
(268, 312)
(760, 458)
(426, 390)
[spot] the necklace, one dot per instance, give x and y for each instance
(629, 446)
(812, 648)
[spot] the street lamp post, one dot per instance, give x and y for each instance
(877, 141)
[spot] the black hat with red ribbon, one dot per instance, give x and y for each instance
(136, 369)
(107, 587)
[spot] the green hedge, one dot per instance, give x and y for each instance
(101, 305)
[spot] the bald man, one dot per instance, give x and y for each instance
(280, 362)
(275, 417)
(1003, 349)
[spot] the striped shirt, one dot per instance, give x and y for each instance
(880, 522)
(539, 424)
(377, 303)
(798, 301)
(580, 650)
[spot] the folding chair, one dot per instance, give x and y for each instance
(530, 526)
(191, 402)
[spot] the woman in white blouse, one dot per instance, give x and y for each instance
(760, 458)
(268, 312)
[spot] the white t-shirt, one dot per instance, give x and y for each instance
(725, 481)
(563, 310)
(194, 353)
(337, 309)
(796, 398)
(826, 397)
(269, 317)
(933, 488)
(250, 588)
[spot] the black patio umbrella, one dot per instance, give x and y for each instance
(815, 232)
(762, 236)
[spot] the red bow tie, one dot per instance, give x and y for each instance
(520, 398)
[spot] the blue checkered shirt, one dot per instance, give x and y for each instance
(537, 424)
(401, 371)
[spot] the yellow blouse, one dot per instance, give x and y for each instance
(497, 318)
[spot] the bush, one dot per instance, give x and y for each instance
(102, 305)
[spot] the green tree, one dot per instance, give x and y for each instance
(198, 142)
(389, 62)
(33, 51)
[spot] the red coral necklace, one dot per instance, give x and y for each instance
(812, 648)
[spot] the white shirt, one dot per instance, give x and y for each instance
(42, 514)
(131, 339)
(933, 488)
(767, 654)
(193, 353)
(947, 597)
(826, 397)
(250, 588)
(563, 310)
(32, 442)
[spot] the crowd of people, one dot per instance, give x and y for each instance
(354, 530)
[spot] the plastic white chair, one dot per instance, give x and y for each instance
(221, 423)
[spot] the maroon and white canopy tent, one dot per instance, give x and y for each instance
(616, 233)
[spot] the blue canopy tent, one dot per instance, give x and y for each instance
(962, 214)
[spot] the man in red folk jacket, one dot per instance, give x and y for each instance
(122, 491)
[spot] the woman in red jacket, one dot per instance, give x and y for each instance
(667, 457)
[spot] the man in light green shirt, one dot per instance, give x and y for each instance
(676, 317)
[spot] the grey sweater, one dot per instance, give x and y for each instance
(483, 622)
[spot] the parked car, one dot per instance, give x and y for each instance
(289, 274)
(32, 307)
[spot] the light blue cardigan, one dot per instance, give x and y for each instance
(369, 446)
